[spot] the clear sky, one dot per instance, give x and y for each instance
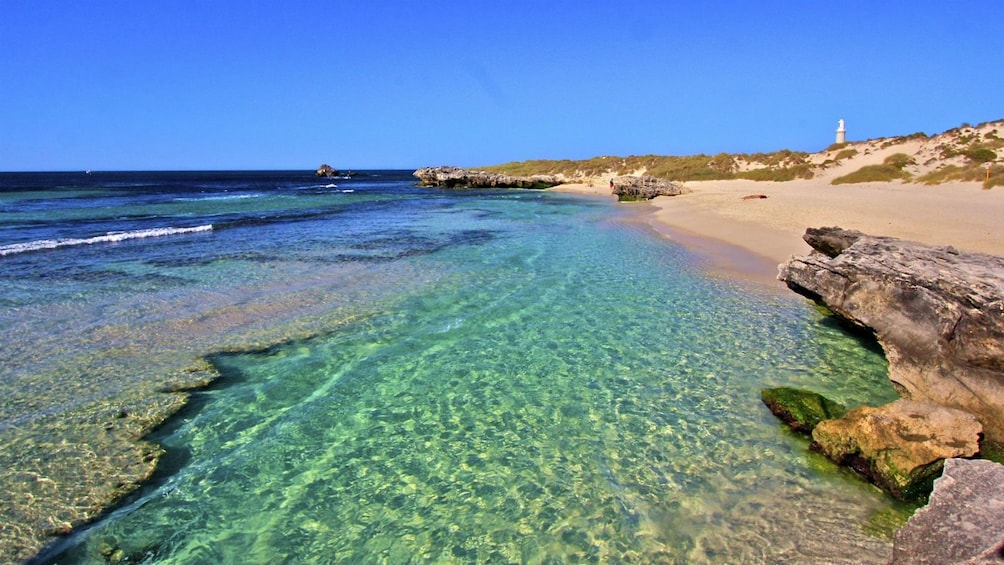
(367, 84)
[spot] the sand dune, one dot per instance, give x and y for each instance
(749, 237)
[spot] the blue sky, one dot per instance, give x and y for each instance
(257, 85)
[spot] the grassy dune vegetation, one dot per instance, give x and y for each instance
(890, 169)
(960, 154)
(778, 166)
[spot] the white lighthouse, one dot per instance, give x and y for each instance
(841, 132)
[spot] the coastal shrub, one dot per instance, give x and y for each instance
(898, 160)
(973, 172)
(778, 175)
(903, 139)
(944, 174)
(782, 158)
(678, 168)
(694, 167)
(723, 163)
(845, 154)
(835, 146)
(947, 151)
(980, 154)
(872, 173)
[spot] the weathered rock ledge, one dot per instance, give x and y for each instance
(645, 188)
(937, 312)
(455, 177)
(962, 523)
(902, 446)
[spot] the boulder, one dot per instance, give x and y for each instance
(326, 171)
(801, 410)
(901, 446)
(938, 313)
(962, 523)
(645, 188)
(455, 177)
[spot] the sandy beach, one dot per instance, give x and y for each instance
(749, 237)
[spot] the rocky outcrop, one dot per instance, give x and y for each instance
(801, 410)
(326, 171)
(645, 188)
(963, 523)
(455, 177)
(937, 312)
(900, 446)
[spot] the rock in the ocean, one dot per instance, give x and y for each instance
(645, 188)
(455, 177)
(326, 171)
(801, 410)
(900, 446)
(962, 523)
(937, 312)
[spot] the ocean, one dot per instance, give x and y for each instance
(404, 374)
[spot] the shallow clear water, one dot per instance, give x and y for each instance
(514, 377)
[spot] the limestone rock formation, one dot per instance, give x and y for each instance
(455, 177)
(937, 312)
(326, 171)
(645, 188)
(962, 523)
(801, 410)
(900, 446)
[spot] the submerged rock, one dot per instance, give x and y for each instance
(937, 312)
(645, 188)
(455, 177)
(900, 446)
(962, 523)
(801, 410)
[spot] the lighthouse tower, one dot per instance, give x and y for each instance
(841, 132)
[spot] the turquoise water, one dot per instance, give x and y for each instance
(572, 390)
(543, 382)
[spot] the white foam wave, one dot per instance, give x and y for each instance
(109, 237)
(221, 197)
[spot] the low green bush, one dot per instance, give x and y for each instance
(873, 173)
(898, 160)
(845, 154)
(778, 175)
(945, 174)
(980, 154)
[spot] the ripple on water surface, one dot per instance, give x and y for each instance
(555, 397)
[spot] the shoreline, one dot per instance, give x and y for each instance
(748, 238)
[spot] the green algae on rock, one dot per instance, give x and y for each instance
(902, 446)
(800, 409)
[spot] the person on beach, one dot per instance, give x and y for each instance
(611, 184)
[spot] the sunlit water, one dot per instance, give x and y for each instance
(515, 377)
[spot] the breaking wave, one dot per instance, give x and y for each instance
(110, 237)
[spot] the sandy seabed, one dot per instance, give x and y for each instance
(749, 237)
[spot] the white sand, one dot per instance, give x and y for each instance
(750, 237)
